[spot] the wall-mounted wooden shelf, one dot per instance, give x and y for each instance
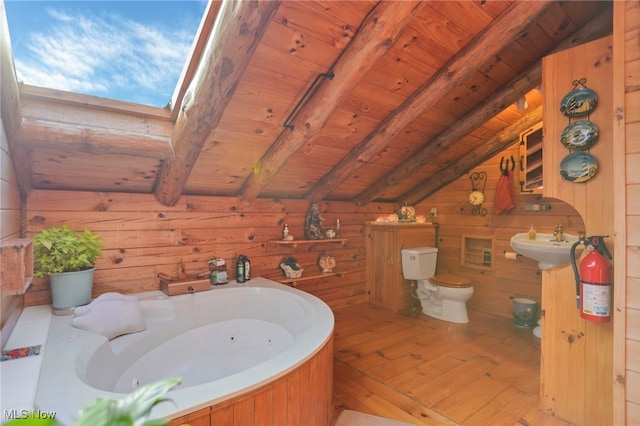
(294, 281)
(295, 243)
(16, 259)
(530, 166)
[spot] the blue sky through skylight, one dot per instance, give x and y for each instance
(128, 50)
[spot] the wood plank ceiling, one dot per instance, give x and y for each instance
(409, 96)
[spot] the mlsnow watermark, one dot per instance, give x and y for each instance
(16, 413)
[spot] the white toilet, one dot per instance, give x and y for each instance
(442, 296)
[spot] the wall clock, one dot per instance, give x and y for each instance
(476, 197)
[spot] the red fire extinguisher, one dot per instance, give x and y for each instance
(593, 282)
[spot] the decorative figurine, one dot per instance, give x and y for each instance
(313, 229)
(407, 214)
(326, 263)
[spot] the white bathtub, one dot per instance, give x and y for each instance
(222, 342)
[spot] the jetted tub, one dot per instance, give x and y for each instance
(224, 343)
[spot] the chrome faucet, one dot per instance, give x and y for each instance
(558, 232)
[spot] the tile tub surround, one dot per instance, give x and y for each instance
(19, 377)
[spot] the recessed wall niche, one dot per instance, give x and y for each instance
(477, 252)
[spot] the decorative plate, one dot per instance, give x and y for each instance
(578, 167)
(579, 136)
(578, 102)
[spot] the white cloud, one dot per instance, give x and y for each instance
(106, 55)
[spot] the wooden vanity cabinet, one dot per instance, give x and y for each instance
(386, 285)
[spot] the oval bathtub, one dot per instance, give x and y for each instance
(224, 343)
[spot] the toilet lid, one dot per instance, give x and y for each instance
(447, 280)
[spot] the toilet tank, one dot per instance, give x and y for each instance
(419, 263)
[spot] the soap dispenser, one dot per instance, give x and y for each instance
(531, 235)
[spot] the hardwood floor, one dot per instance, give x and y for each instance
(416, 369)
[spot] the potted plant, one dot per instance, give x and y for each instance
(68, 258)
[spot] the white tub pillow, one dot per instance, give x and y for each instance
(111, 315)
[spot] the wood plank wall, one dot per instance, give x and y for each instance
(10, 305)
(494, 289)
(577, 372)
(144, 238)
(9, 193)
(627, 339)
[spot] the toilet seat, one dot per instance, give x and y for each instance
(452, 281)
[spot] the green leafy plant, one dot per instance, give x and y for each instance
(132, 410)
(61, 249)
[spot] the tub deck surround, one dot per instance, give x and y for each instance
(19, 377)
(88, 366)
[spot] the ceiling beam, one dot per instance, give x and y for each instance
(36, 133)
(506, 28)
(92, 104)
(447, 139)
(450, 172)
(199, 44)
(10, 109)
(237, 32)
(374, 38)
(10, 95)
(507, 95)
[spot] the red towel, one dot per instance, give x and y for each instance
(505, 194)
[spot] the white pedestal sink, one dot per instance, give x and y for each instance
(545, 249)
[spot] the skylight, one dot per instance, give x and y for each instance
(127, 50)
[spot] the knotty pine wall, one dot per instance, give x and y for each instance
(144, 238)
(627, 150)
(10, 305)
(495, 289)
(9, 193)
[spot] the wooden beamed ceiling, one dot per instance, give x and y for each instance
(414, 95)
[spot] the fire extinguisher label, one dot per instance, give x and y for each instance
(595, 299)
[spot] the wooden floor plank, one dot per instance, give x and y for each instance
(469, 399)
(360, 392)
(424, 373)
(421, 370)
(505, 408)
(452, 380)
